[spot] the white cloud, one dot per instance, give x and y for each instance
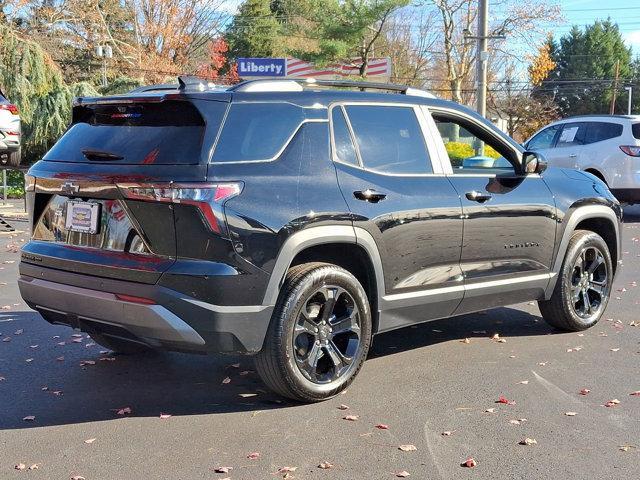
(633, 39)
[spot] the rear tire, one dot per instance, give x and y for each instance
(583, 287)
(122, 347)
(319, 334)
(10, 160)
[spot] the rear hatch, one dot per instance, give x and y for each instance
(104, 198)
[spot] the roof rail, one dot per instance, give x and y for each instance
(295, 84)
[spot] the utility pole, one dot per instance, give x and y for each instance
(615, 89)
(629, 89)
(481, 56)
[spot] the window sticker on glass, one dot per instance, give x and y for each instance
(568, 134)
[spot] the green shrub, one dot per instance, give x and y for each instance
(15, 184)
(458, 151)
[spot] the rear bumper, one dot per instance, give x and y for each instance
(174, 322)
(626, 195)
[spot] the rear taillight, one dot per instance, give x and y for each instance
(631, 150)
(207, 197)
(133, 299)
(10, 107)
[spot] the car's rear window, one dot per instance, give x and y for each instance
(169, 132)
(635, 128)
(257, 131)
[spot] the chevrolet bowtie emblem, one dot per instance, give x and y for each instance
(70, 188)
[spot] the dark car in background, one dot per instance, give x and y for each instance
(293, 222)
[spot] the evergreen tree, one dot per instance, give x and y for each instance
(254, 31)
(582, 81)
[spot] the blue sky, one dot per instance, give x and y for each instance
(626, 13)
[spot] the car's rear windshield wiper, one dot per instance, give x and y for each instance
(100, 155)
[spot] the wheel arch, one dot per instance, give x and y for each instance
(350, 248)
(596, 173)
(599, 219)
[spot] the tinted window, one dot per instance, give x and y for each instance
(599, 131)
(543, 139)
(256, 131)
(146, 133)
(389, 139)
(635, 129)
(345, 151)
(471, 150)
(572, 134)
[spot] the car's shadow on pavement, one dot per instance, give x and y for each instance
(55, 383)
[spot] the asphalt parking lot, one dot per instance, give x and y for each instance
(191, 415)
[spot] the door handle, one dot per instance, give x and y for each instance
(369, 195)
(476, 196)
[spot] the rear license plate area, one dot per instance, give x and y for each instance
(83, 217)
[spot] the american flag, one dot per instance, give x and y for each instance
(377, 67)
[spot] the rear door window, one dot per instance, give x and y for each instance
(257, 131)
(635, 129)
(389, 139)
(168, 132)
(599, 131)
(572, 134)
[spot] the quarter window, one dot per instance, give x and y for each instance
(543, 139)
(257, 131)
(345, 151)
(635, 129)
(599, 131)
(389, 139)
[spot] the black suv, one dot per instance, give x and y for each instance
(294, 222)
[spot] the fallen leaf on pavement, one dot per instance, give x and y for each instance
(407, 448)
(165, 415)
(35, 466)
(505, 401)
(614, 349)
(351, 418)
(325, 465)
(448, 433)
(490, 410)
(78, 477)
(524, 382)
(470, 462)
(29, 418)
(89, 441)
(612, 403)
(626, 448)
(382, 426)
(287, 469)
(226, 380)
(20, 466)
(584, 391)
(466, 340)
(19, 331)
(343, 407)
(247, 395)
(253, 455)
(636, 393)
(570, 414)
(528, 441)
(402, 474)
(223, 469)
(123, 411)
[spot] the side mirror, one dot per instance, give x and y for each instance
(534, 162)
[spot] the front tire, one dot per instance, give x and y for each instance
(582, 290)
(319, 334)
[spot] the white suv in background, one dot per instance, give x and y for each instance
(9, 134)
(608, 146)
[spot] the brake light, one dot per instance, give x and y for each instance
(631, 150)
(207, 197)
(10, 107)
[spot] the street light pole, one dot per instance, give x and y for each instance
(629, 88)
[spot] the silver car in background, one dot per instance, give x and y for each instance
(10, 132)
(607, 146)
